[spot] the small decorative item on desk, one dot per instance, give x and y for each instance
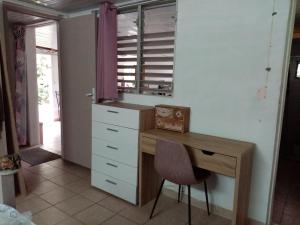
(175, 118)
(10, 162)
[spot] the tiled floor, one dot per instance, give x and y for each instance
(60, 194)
(52, 136)
(287, 194)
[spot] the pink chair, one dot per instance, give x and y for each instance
(172, 162)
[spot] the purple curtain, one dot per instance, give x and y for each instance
(21, 84)
(106, 81)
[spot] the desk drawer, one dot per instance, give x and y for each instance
(115, 115)
(127, 154)
(115, 169)
(114, 186)
(148, 145)
(119, 135)
(215, 162)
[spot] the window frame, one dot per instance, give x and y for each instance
(139, 8)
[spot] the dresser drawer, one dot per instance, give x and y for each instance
(127, 154)
(115, 169)
(114, 186)
(115, 134)
(115, 115)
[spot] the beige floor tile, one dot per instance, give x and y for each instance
(204, 219)
(173, 214)
(118, 220)
(165, 219)
(51, 172)
(78, 186)
(94, 194)
(22, 198)
(114, 204)
(34, 205)
(42, 187)
(64, 178)
(40, 168)
(141, 215)
(57, 195)
(94, 215)
(136, 214)
(50, 216)
(32, 178)
(70, 221)
(56, 163)
(83, 173)
(65, 165)
(74, 205)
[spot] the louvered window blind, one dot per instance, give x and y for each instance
(127, 51)
(146, 42)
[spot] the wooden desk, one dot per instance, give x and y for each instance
(224, 156)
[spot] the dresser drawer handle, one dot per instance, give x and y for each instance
(109, 129)
(111, 147)
(113, 165)
(205, 152)
(111, 182)
(111, 111)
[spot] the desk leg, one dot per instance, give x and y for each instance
(242, 189)
(149, 180)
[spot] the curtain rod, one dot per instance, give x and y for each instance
(133, 4)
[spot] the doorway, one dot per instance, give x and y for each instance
(33, 66)
(48, 87)
(286, 203)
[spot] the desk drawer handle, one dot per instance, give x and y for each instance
(205, 152)
(111, 182)
(111, 147)
(111, 111)
(113, 165)
(109, 129)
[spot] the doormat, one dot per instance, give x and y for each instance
(37, 156)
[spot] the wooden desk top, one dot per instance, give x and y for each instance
(219, 145)
(127, 105)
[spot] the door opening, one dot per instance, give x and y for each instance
(48, 87)
(33, 65)
(286, 201)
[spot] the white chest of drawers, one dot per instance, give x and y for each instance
(115, 144)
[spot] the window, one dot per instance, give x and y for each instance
(146, 41)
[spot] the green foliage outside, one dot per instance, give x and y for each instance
(43, 86)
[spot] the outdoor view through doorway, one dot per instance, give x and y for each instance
(48, 87)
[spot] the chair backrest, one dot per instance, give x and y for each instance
(173, 163)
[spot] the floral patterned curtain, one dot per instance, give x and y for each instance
(21, 84)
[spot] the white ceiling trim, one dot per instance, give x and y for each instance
(90, 11)
(36, 7)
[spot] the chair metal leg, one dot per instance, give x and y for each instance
(179, 193)
(157, 197)
(189, 204)
(207, 204)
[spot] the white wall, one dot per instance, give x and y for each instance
(222, 50)
(33, 112)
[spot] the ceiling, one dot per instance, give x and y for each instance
(15, 17)
(69, 6)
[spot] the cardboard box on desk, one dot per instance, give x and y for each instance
(174, 118)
